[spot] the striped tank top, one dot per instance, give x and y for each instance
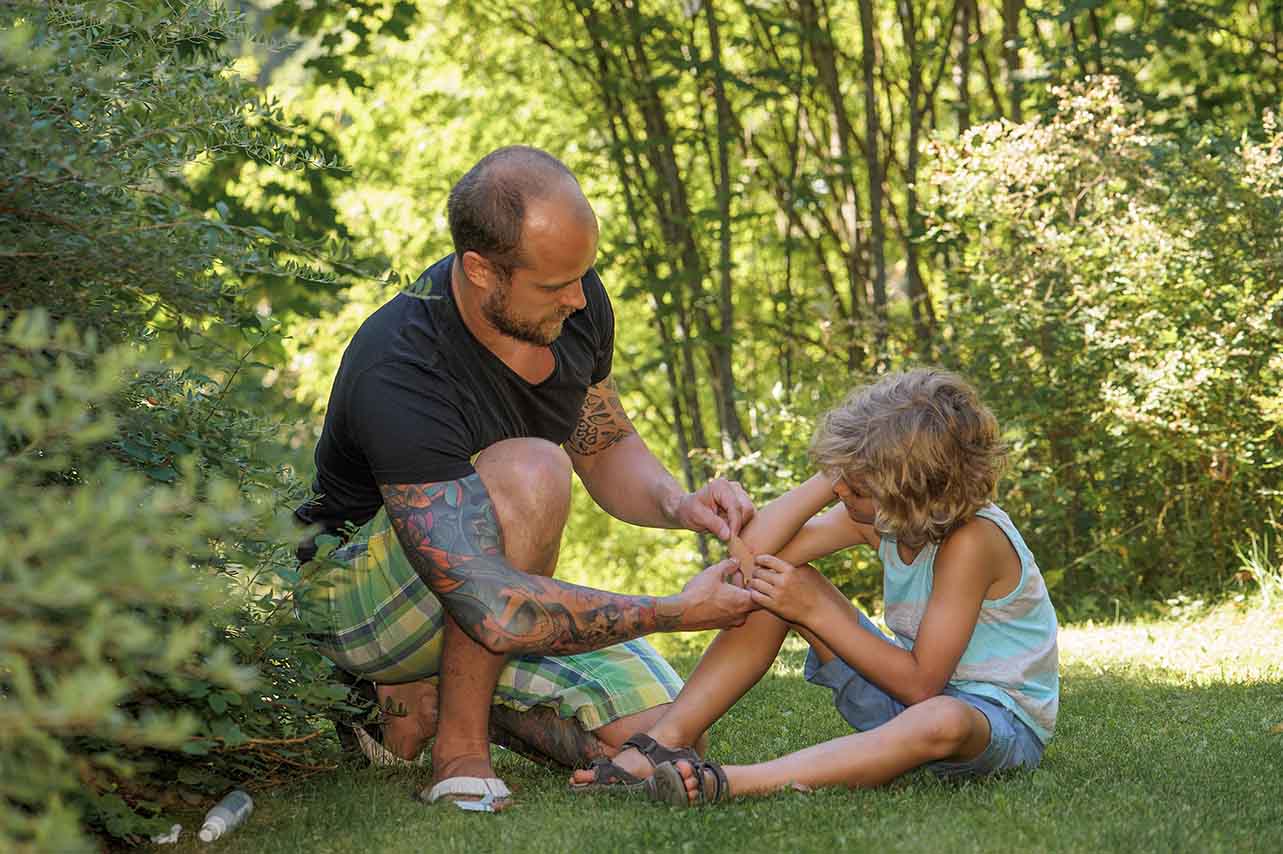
(1012, 657)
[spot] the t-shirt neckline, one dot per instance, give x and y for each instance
(485, 351)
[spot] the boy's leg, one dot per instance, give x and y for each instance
(863, 704)
(941, 728)
(734, 662)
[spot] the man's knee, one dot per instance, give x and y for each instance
(527, 475)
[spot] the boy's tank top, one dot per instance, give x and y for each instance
(1012, 656)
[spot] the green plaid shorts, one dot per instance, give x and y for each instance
(378, 620)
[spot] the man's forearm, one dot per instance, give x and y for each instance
(629, 483)
(451, 537)
(508, 611)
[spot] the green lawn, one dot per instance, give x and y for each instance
(1165, 743)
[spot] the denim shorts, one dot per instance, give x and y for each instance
(1012, 744)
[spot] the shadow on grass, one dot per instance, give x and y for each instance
(1140, 762)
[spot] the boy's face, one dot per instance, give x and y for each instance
(860, 506)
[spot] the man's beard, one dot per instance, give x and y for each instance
(495, 310)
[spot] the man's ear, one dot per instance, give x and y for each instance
(480, 271)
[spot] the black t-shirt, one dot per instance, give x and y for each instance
(416, 397)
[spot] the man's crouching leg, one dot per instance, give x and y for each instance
(528, 482)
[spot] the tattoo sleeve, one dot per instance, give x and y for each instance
(450, 533)
(602, 421)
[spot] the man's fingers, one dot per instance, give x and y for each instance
(728, 503)
(745, 504)
(706, 518)
(725, 563)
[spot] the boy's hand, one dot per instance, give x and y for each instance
(792, 593)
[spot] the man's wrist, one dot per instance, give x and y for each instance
(670, 612)
(669, 504)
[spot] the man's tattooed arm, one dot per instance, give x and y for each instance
(451, 534)
(621, 473)
(602, 421)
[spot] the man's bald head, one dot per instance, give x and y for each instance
(488, 205)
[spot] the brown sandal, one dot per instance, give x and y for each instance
(609, 777)
(669, 786)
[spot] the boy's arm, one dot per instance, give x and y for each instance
(789, 525)
(964, 570)
(825, 534)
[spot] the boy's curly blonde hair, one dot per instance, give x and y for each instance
(922, 444)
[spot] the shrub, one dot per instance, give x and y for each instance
(1126, 292)
(150, 654)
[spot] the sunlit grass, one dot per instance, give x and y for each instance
(1165, 743)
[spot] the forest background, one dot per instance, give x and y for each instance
(1076, 205)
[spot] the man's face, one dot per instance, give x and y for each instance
(559, 244)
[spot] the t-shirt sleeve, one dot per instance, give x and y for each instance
(603, 323)
(409, 432)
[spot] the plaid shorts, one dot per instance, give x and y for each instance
(378, 620)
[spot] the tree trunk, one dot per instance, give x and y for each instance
(732, 435)
(819, 40)
(872, 158)
(1011, 55)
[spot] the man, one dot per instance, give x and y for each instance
(444, 442)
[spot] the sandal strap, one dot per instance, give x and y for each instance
(657, 753)
(721, 786)
(607, 773)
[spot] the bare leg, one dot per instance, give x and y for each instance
(738, 657)
(734, 662)
(529, 482)
(941, 728)
(539, 734)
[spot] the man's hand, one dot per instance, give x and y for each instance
(795, 594)
(711, 601)
(721, 508)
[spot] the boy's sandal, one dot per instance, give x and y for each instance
(668, 785)
(609, 777)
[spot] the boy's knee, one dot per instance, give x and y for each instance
(947, 725)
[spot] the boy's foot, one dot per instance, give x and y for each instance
(635, 763)
(687, 784)
(629, 760)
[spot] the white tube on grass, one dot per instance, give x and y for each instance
(229, 813)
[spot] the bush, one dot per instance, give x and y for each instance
(150, 654)
(1127, 296)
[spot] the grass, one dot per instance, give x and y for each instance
(1167, 741)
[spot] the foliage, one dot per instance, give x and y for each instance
(104, 617)
(1127, 292)
(152, 653)
(625, 93)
